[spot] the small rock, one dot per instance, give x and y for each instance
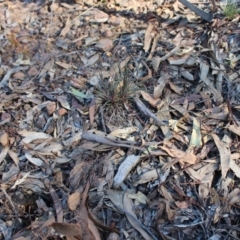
(107, 34)
(116, 21)
(62, 111)
(105, 44)
(23, 39)
(19, 75)
(26, 107)
(33, 71)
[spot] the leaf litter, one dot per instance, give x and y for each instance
(119, 120)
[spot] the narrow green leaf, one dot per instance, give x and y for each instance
(77, 93)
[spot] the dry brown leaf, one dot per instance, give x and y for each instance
(147, 177)
(155, 62)
(123, 132)
(92, 110)
(31, 136)
(139, 196)
(64, 102)
(182, 204)
(36, 161)
(108, 171)
(67, 229)
(124, 169)
(235, 129)
(159, 88)
(65, 65)
(128, 206)
(4, 139)
(73, 200)
(148, 36)
(90, 61)
(51, 107)
(89, 230)
(97, 16)
(175, 88)
(14, 157)
(148, 98)
(235, 168)
(187, 156)
(167, 195)
(67, 27)
(58, 205)
(233, 196)
(225, 154)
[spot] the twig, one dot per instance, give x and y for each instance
(147, 112)
(102, 120)
(9, 199)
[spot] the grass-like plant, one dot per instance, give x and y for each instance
(230, 10)
(117, 92)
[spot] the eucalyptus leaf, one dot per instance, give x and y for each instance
(77, 93)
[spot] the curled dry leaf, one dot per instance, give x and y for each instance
(31, 136)
(182, 204)
(4, 153)
(92, 108)
(4, 139)
(36, 161)
(67, 229)
(233, 196)
(21, 180)
(67, 27)
(196, 137)
(73, 200)
(58, 205)
(14, 157)
(187, 156)
(124, 169)
(51, 108)
(128, 206)
(148, 98)
(148, 36)
(123, 132)
(139, 196)
(147, 177)
(235, 129)
(225, 154)
(64, 102)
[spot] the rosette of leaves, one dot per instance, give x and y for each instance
(116, 94)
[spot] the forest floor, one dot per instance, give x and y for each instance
(119, 120)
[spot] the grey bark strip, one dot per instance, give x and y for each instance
(199, 12)
(148, 112)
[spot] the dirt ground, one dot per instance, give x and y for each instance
(119, 119)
